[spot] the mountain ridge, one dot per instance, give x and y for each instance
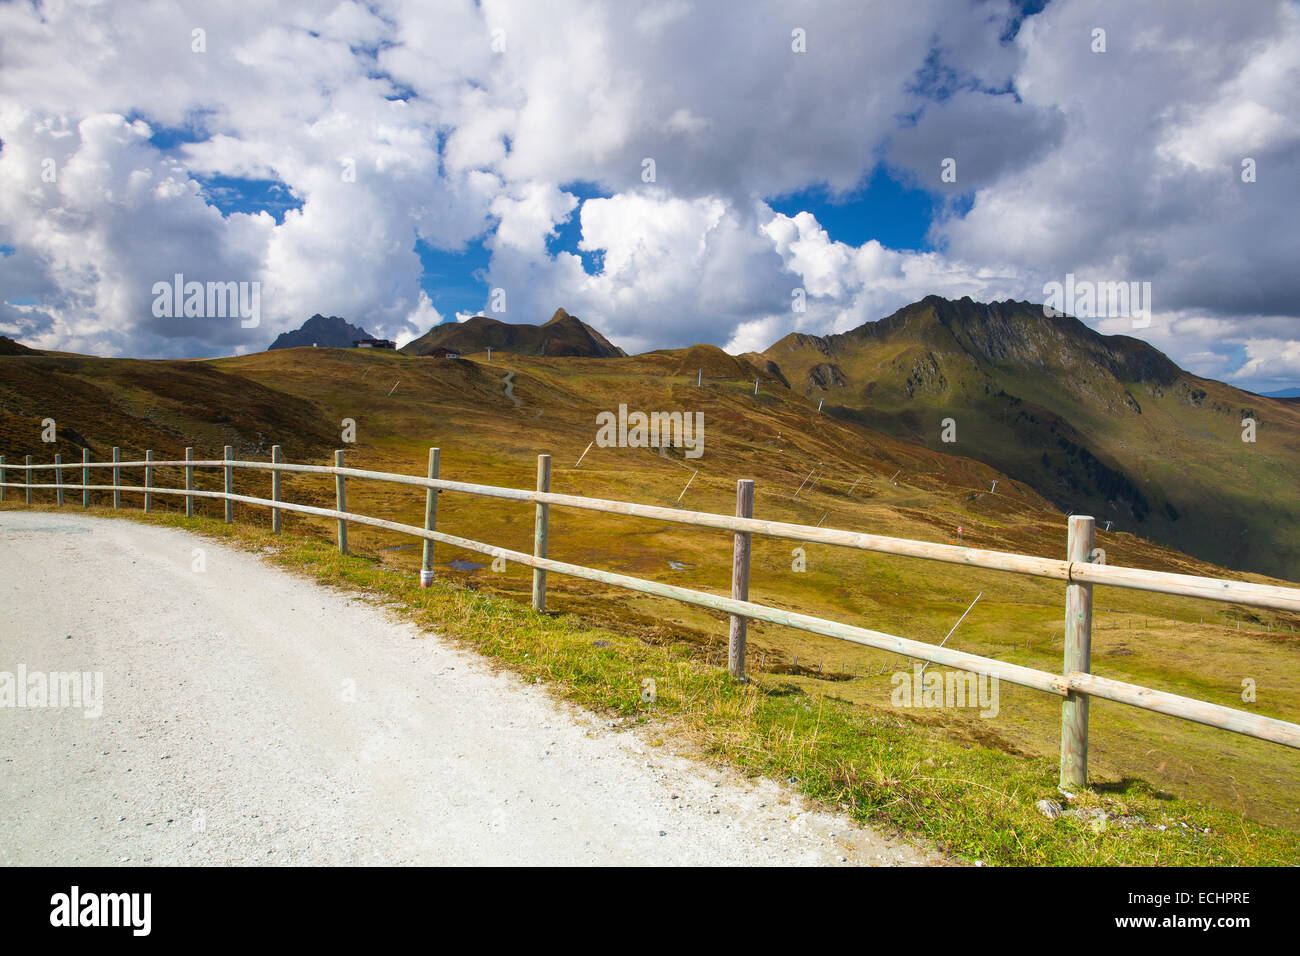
(561, 336)
(1101, 423)
(1095, 423)
(325, 331)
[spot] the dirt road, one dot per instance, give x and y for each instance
(252, 717)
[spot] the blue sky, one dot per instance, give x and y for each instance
(894, 214)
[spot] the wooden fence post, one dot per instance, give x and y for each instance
(541, 532)
(1078, 656)
(28, 461)
(58, 480)
(341, 501)
(740, 580)
(277, 516)
(189, 482)
(3, 489)
(430, 518)
(228, 454)
(148, 482)
(117, 478)
(85, 477)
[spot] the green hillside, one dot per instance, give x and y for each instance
(1105, 425)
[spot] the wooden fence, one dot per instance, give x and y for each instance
(1076, 685)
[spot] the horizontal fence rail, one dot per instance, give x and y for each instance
(1076, 685)
(1227, 591)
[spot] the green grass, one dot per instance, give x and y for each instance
(972, 799)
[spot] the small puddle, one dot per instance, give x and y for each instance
(680, 566)
(398, 547)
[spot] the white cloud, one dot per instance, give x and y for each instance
(1270, 360)
(469, 120)
(527, 217)
(424, 317)
(113, 219)
(672, 270)
(1144, 183)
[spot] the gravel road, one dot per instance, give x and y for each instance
(252, 717)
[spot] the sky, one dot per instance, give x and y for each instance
(672, 172)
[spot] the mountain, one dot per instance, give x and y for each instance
(9, 347)
(563, 335)
(1104, 424)
(1283, 393)
(327, 332)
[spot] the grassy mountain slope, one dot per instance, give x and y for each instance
(9, 347)
(860, 479)
(137, 405)
(562, 335)
(1099, 424)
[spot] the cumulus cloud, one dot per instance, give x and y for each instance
(103, 218)
(1146, 181)
(845, 286)
(297, 99)
(1271, 359)
(507, 121)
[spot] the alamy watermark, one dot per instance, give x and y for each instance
(683, 430)
(1084, 299)
(73, 689)
(208, 300)
(945, 689)
(128, 910)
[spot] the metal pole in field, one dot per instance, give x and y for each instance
(58, 480)
(541, 532)
(28, 461)
(148, 482)
(430, 518)
(954, 627)
(341, 501)
(277, 516)
(1078, 656)
(117, 478)
(688, 484)
(802, 483)
(189, 483)
(228, 454)
(740, 580)
(85, 477)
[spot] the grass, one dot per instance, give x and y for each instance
(944, 785)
